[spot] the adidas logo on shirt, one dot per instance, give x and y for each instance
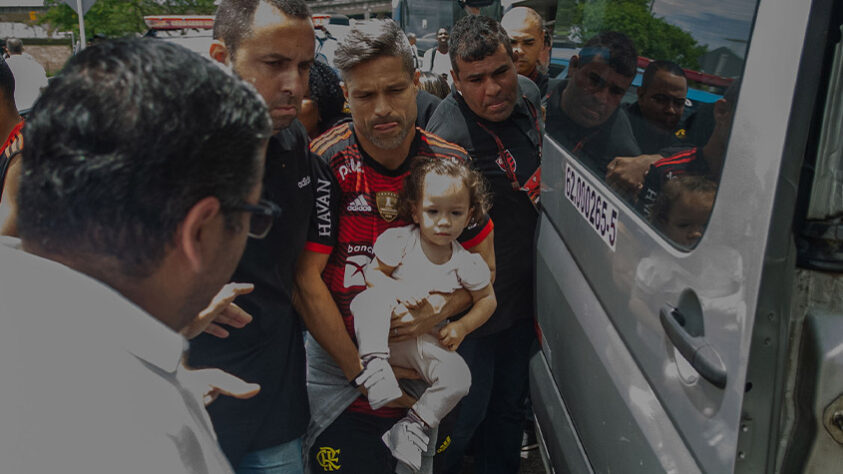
(359, 205)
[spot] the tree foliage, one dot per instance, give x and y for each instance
(115, 18)
(654, 37)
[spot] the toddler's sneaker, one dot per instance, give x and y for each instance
(407, 440)
(379, 380)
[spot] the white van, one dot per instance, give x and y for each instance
(725, 355)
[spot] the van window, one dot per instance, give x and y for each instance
(646, 102)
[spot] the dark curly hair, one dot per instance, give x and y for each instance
(479, 198)
(672, 191)
(325, 90)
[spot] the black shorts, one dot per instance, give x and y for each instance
(352, 444)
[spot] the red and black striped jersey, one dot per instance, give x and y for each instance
(688, 161)
(360, 203)
(12, 146)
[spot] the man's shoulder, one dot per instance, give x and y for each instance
(448, 119)
(333, 141)
(529, 90)
(438, 146)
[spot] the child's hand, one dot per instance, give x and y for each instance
(452, 334)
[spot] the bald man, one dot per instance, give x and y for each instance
(525, 28)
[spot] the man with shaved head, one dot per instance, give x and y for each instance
(525, 28)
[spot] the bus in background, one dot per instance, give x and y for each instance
(425, 17)
(194, 32)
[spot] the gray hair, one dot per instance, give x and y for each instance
(14, 46)
(370, 40)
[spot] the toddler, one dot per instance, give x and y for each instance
(412, 265)
(682, 208)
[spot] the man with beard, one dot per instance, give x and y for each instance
(127, 229)
(582, 111)
(269, 43)
(497, 118)
(369, 159)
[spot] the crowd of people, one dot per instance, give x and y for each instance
(379, 241)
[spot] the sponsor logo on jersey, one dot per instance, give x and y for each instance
(304, 182)
(354, 265)
(323, 207)
(328, 458)
(359, 204)
(350, 166)
(506, 161)
(387, 202)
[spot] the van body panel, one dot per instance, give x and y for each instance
(626, 425)
(560, 440)
(598, 305)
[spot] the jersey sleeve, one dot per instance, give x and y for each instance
(473, 272)
(322, 232)
(390, 246)
(476, 233)
(649, 192)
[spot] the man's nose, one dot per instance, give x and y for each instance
(295, 81)
(381, 106)
(672, 108)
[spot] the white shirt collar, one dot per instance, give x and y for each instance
(112, 315)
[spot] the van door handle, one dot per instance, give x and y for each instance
(702, 355)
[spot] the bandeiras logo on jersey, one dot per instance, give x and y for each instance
(358, 257)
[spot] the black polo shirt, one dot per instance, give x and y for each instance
(541, 80)
(269, 350)
(512, 212)
(595, 146)
(650, 137)
(426, 104)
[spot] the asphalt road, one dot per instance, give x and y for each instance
(531, 463)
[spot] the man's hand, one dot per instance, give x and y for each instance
(412, 297)
(408, 323)
(626, 173)
(222, 310)
(405, 401)
(211, 383)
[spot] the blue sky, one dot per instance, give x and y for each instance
(711, 22)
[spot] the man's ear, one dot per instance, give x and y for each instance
(416, 76)
(456, 79)
(344, 91)
(196, 232)
(219, 52)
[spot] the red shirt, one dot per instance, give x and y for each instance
(356, 207)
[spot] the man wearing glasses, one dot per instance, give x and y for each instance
(655, 118)
(127, 230)
(582, 111)
(269, 43)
